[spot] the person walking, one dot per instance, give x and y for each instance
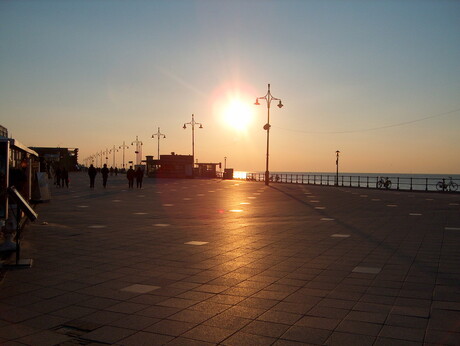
(92, 175)
(130, 175)
(105, 175)
(57, 175)
(65, 177)
(139, 177)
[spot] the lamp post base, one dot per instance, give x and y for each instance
(267, 177)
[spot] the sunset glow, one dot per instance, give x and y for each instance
(238, 114)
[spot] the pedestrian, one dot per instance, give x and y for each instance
(92, 175)
(57, 176)
(130, 175)
(65, 177)
(139, 177)
(116, 171)
(111, 170)
(105, 175)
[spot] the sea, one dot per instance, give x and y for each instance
(399, 181)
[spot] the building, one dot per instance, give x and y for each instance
(207, 170)
(170, 166)
(58, 157)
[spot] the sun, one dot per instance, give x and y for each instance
(238, 114)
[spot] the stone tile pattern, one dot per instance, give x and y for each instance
(273, 274)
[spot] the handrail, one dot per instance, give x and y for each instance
(366, 181)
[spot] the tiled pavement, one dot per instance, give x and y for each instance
(198, 262)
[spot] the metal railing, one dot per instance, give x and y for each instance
(396, 183)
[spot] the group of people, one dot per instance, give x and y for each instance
(131, 174)
(61, 176)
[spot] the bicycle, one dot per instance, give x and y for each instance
(449, 186)
(386, 183)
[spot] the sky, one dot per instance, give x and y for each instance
(377, 80)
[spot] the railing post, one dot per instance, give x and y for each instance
(342, 180)
(398, 184)
(443, 184)
(302, 179)
(321, 179)
(314, 179)
(411, 183)
(367, 181)
(350, 180)
(426, 184)
(359, 181)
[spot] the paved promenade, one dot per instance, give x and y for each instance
(205, 262)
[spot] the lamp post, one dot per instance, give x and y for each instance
(193, 123)
(158, 134)
(99, 154)
(225, 163)
(138, 150)
(268, 98)
(113, 151)
(337, 167)
(124, 146)
(106, 152)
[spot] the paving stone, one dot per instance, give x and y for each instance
(306, 335)
(318, 322)
(145, 339)
(44, 338)
(280, 317)
(241, 339)
(263, 328)
(170, 327)
(402, 333)
(192, 316)
(381, 341)
(135, 322)
(108, 334)
(181, 341)
(442, 337)
(11, 332)
(340, 338)
(208, 333)
(372, 317)
(359, 327)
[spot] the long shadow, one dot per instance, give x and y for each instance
(427, 269)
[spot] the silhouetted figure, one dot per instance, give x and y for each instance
(116, 171)
(57, 176)
(139, 177)
(105, 175)
(111, 170)
(65, 177)
(130, 175)
(92, 175)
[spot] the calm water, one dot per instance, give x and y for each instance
(398, 180)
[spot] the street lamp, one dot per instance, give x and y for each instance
(193, 123)
(124, 146)
(138, 150)
(158, 134)
(268, 98)
(106, 152)
(113, 151)
(225, 162)
(337, 167)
